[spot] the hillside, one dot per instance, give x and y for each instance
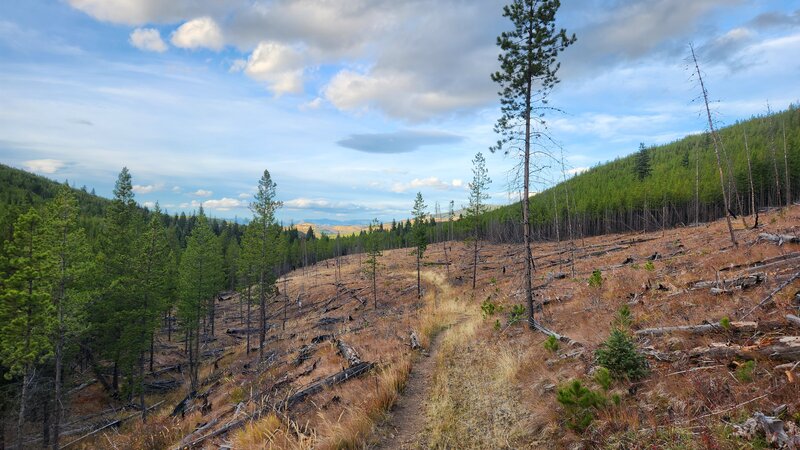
(486, 381)
(610, 198)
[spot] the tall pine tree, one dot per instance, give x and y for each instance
(420, 236)
(527, 74)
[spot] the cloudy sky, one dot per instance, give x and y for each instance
(355, 105)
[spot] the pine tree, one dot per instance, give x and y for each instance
(263, 208)
(643, 168)
(110, 316)
(199, 281)
(528, 72)
(26, 310)
(373, 249)
(71, 269)
(477, 197)
(151, 271)
(420, 236)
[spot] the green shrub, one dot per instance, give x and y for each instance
(488, 308)
(744, 372)
(551, 344)
(602, 376)
(623, 319)
(579, 404)
(493, 281)
(619, 354)
(497, 325)
(725, 323)
(237, 395)
(596, 280)
(649, 266)
(616, 399)
(516, 314)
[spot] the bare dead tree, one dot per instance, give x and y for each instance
(753, 209)
(786, 169)
(716, 139)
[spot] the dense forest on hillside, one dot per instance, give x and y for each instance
(681, 186)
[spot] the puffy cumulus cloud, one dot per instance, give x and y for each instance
(280, 66)
(202, 193)
(147, 189)
(148, 39)
(202, 32)
(398, 141)
(430, 182)
(149, 205)
(43, 165)
(223, 204)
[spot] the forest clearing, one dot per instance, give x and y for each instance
(493, 383)
(497, 224)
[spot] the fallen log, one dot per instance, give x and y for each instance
(740, 283)
(772, 294)
(536, 325)
(794, 320)
(763, 264)
(699, 329)
(113, 423)
(244, 331)
(337, 378)
(779, 239)
(304, 353)
(784, 348)
(348, 353)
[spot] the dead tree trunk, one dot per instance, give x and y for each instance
(786, 170)
(715, 139)
(753, 209)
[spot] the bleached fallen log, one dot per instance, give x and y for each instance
(741, 283)
(348, 353)
(698, 329)
(772, 294)
(779, 239)
(792, 319)
(562, 338)
(784, 348)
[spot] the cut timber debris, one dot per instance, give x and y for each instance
(549, 332)
(415, 345)
(785, 348)
(348, 353)
(772, 294)
(776, 432)
(339, 377)
(698, 329)
(740, 283)
(779, 239)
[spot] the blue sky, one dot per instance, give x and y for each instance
(356, 105)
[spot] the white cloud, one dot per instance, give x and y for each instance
(238, 65)
(577, 170)
(149, 205)
(279, 65)
(202, 32)
(430, 182)
(202, 193)
(147, 189)
(223, 204)
(176, 189)
(148, 39)
(245, 195)
(306, 203)
(312, 105)
(43, 165)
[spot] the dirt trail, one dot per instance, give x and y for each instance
(406, 421)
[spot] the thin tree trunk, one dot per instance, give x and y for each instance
(715, 139)
(419, 281)
(786, 170)
(475, 260)
(26, 380)
(262, 334)
(753, 209)
(141, 386)
(152, 345)
(248, 317)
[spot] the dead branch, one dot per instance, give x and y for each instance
(698, 329)
(772, 294)
(779, 239)
(348, 353)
